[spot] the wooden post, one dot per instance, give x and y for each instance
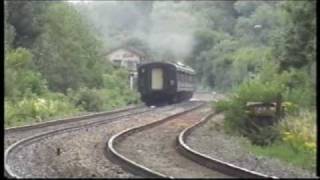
(278, 107)
(131, 81)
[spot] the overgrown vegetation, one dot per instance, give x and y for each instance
(297, 143)
(255, 50)
(285, 69)
(54, 65)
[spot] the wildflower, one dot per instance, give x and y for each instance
(41, 101)
(311, 145)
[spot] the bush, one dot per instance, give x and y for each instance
(19, 80)
(297, 144)
(102, 99)
(37, 109)
(262, 135)
(300, 89)
(300, 131)
(222, 105)
(88, 99)
(304, 97)
(290, 108)
(236, 118)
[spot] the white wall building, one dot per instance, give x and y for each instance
(126, 57)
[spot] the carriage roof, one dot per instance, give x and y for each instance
(179, 67)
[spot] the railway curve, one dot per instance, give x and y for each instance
(81, 148)
(108, 117)
(132, 163)
(210, 162)
(17, 133)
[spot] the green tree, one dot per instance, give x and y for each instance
(19, 79)
(67, 54)
(26, 18)
(295, 45)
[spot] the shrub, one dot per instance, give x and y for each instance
(290, 108)
(221, 105)
(19, 80)
(300, 132)
(36, 109)
(102, 99)
(262, 135)
(88, 99)
(297, 144)
(300, 89)
(237, 120)
(302, 96)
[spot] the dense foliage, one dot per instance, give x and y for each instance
(54, 66)
(282, 64)
(255, 50)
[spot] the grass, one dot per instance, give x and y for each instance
(297, 144)
(285, 152)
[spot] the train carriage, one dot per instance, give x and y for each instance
(160, 82)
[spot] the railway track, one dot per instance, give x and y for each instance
(46, 154)
(213, 163)
(150, 150)
(154, 150)
(50, 128)
(17, 133)
(160, 157)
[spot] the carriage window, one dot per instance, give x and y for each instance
(117, 62)
(131, 65)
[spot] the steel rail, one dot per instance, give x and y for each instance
(35, 138)
(67, 120)
(130, 165)
(210, 162)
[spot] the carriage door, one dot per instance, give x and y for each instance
(157, 79)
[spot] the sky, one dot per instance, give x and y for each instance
(78, 1)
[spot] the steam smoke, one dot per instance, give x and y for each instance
(172, 28)
(166, 27)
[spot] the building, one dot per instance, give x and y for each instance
(126, 57)
(129, 58)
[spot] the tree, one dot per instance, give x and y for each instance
(221, 15)
(19, 79)
(257, 27)
(295, 46)
(26, 18)
(8, 31)
(246, 8)
(67, 54)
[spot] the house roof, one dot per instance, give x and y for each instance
(131, 49)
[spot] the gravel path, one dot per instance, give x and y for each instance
(155, 148)
(79, 153)
(210, 139)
